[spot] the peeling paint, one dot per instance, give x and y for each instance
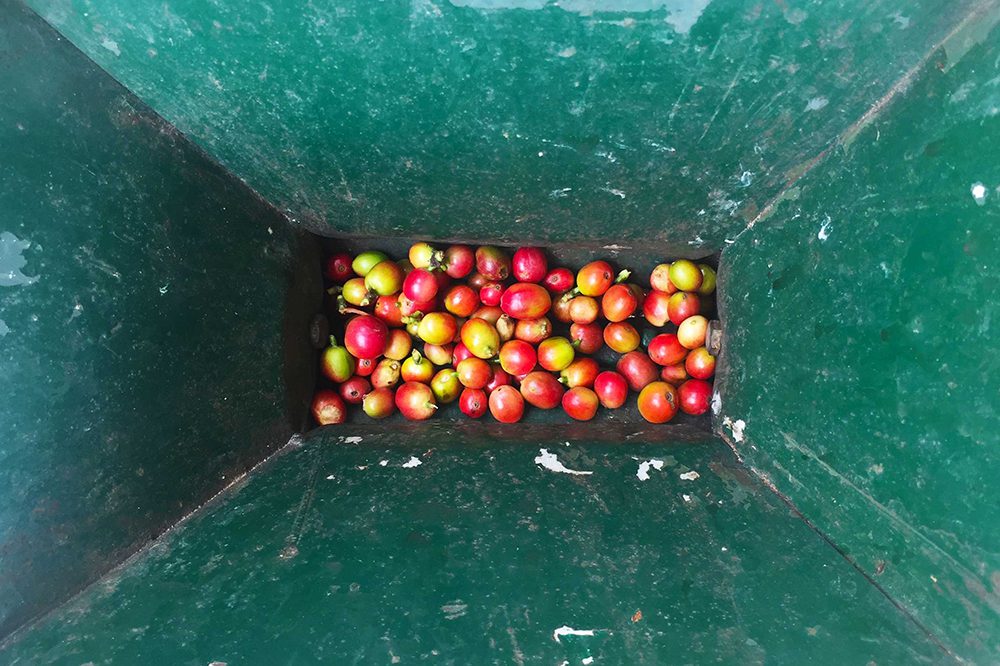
(817, 103)
(736, 427)
(551, 462)
(412, 462)
(12, 261)
(111, 45)
(643, 473)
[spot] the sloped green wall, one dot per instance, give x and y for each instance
(863, 348)
(338, 553)
(141, 335)
(594, 121)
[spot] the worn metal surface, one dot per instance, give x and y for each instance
(618, 122)
(863, 369)
(141, 308)
(461, 549)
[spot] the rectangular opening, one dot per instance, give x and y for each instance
(621, 424)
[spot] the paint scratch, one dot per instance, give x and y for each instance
(569, 631)
(729, 91)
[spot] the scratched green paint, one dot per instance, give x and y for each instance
(592, 121)
(477, 556)
(865, 362)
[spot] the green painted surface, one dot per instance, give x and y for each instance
(860, 351)
(141, 308)
(522, 119)
(478, 556)
(865, 359)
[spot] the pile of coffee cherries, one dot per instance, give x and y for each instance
(498, 332)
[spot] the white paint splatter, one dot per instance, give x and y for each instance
(551, 462)
(716, 403)
(383, 463)
(164, 289)
(412, 462)
(877, 468)
(687, 498)
(817, 103)
(587, 660)
(617, 247)
(824, 230)
(569, 631)
(330, 477)
(643, 473)
(4, 329)
(560, 194)
(567, 52)
(616, 192)
(746, 179)
(690, 476)
(724, 549)
(353, 439)
(111, 45)
(979, 193)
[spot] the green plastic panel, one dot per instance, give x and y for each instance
(463, 550)
(863, 355)
(142, 300)
(603, 122)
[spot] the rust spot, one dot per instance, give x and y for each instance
(879, 567)
(637, 616)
